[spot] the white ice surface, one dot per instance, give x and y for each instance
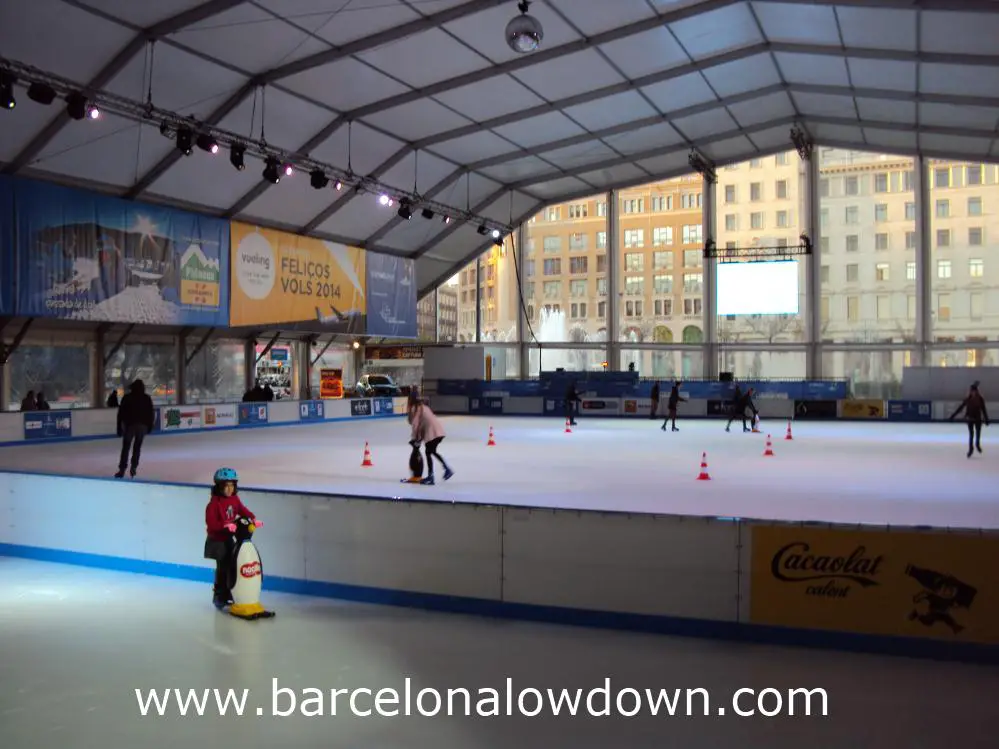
(75, 643)
(851, 472)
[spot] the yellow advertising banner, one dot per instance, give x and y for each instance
(863, 409)
(330, 383)
(279, 277)
(909, 584)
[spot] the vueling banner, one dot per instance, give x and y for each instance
(279, 277)
(940, 585)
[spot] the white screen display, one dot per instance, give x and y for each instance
(758, 288)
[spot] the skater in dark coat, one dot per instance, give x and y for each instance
(571, 399)
(674, 398)
(135, 420)
(742, 402)
(655, 401)
(975, 413)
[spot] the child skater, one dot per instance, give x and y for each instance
(223, 510)
(975, 412)
(674, 398)
(428, 429)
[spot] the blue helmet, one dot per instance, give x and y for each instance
(225, 474)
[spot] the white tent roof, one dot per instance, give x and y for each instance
(618, 94)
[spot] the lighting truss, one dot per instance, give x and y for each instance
(168, 123)
(743, 254)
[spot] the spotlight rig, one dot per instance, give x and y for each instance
(802, 143)
(702, 166)
(189, 133)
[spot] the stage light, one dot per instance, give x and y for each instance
(7, 100)
(384, 200)
(483, 230)
(207, 143)
(496, 233)
(288, 170)
(271, 173)
(93, 112)
(338, 185)
(185, 140)
(427, 214)
(76, 105)
(236, 155)
(446, 219)
(405, 210)
(318, 179)
(498, 241)
(41, 93)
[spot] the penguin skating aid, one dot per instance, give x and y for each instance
(247, 575)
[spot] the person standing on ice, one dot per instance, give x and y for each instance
(571, 399)
(655, 401)
(135, 420)
(427, 428)
(741, 403)
(674, 399)
(975, 413)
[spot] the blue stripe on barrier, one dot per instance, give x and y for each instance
(676, 626)
(172, 432)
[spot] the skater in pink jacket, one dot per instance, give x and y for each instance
(427, 428)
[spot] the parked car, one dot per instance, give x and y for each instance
(377, 385)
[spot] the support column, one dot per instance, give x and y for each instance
(520, 272)
(812, 225)
(924, 277)
(180, 348)
(478, 299)
(613, 348)
(97, 377)
(709, 347)
(303, 369)
(249, 364)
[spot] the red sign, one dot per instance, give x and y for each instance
(250, 569)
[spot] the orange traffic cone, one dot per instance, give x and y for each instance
(567, 429)
(788, 435)
(770, 448)
(703, 475)
(492, 440)
(366, 463)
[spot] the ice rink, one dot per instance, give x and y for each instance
(76, 643)
(852, 472)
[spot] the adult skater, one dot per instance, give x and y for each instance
(135, 420)
(655, 401)
(975, 412)
(571, 399)
(427, 428)
(674, 399)
(223, 510)
(743, 401)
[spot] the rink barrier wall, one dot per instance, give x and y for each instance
(691, 576)
(40, 427)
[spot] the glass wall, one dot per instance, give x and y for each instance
(872, 373)
(565, 274)
(665, 364)
(216, 374)
(763, 364)
(964, 234)
(153, 363)
(761, 203)
(59, 372)
(661, 265)
(868, 247)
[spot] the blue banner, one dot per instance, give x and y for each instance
(391, 289)
(910, 411)
(382, 406)
(252, 413)
(485, 406)
(360, 407)
(311, 411)
(47, 424)
(6, 246)
(85, 256)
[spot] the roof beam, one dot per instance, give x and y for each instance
(977, 6)
(433, 191)
(355, 47)
(424, 248)
(478, 251)
(114, 67)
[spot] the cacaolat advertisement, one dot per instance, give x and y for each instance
(284, 278)
(939, 585)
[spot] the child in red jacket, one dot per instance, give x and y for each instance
(221, 514)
